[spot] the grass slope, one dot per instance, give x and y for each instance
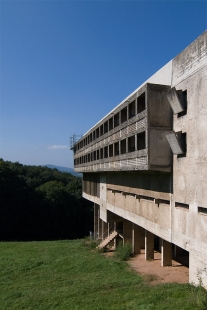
(68, 275)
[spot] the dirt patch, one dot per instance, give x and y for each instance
(154, 273)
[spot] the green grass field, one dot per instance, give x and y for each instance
(68, 275)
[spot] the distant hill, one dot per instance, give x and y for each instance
(65, 169)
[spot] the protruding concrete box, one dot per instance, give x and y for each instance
(132, 137)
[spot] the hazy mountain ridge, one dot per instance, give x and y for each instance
(65, 169)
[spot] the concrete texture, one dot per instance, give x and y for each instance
(130, 172)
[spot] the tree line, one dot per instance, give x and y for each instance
(40, 203)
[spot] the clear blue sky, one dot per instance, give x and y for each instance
(65, 64)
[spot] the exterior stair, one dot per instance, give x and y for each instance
(106, 241)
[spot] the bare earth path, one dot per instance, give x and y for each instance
(155, 274)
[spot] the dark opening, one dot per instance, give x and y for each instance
(116, 120)
(94, 135)
(132, 109)
(94, 155)
(111, 123)
(131, 144)
(88, 158)
(183, 142)
(141, 141)
(110, 150)
(184, 101)
(97, 132)
(123, 146)
(124, 115)
(97, 153)
(106, 152)
(106, 127)
(182, 205)
(101, 153)
(141, 103)
(101, 130)
(202, 210)
(116, 148)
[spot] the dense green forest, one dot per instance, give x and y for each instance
(39, 203)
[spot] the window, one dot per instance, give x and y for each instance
(184, 103)
(177, 142)
(94, 155)
(123, 146)
(116, 120)
(132, 109)
(141, 103)
(123, 115)
(182, 206)
(131, 144)
(89, 159)
(101, 130)
(106, 152)
(106, 127)
(202, 210)
(101, 153)
(141, 141)
(97, 154)
(116, 148)
(110, 150)
(97, 132)
(111, 123)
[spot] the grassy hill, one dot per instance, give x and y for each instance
(68, 275)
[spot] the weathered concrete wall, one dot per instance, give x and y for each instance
(149, 199)
(189, 176)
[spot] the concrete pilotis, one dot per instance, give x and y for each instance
(136, 238)
(149, 245)
(127, 231)
(96, 220)
(104, 230)
(166, 253)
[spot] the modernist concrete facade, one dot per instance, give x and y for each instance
(144, 164)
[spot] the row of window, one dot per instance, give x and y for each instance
(133, 108)
(184, 206)
(131, 144)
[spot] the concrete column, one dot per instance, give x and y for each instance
(100, 228)
(104, 230)
(127, 231)
(142, 237)
(166, 253)
(96, 216)
(149, 245)
(136, 238)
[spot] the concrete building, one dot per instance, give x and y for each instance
(144, 164)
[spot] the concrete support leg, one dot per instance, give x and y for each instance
(149, 245)
(104, 230)
(142, 237)
(100, 228)
(96, 217)
(136, 238)
(166, 253)
(127, 231)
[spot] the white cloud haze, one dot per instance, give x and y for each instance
(57, 147)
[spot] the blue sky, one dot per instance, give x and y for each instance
(65, 64)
